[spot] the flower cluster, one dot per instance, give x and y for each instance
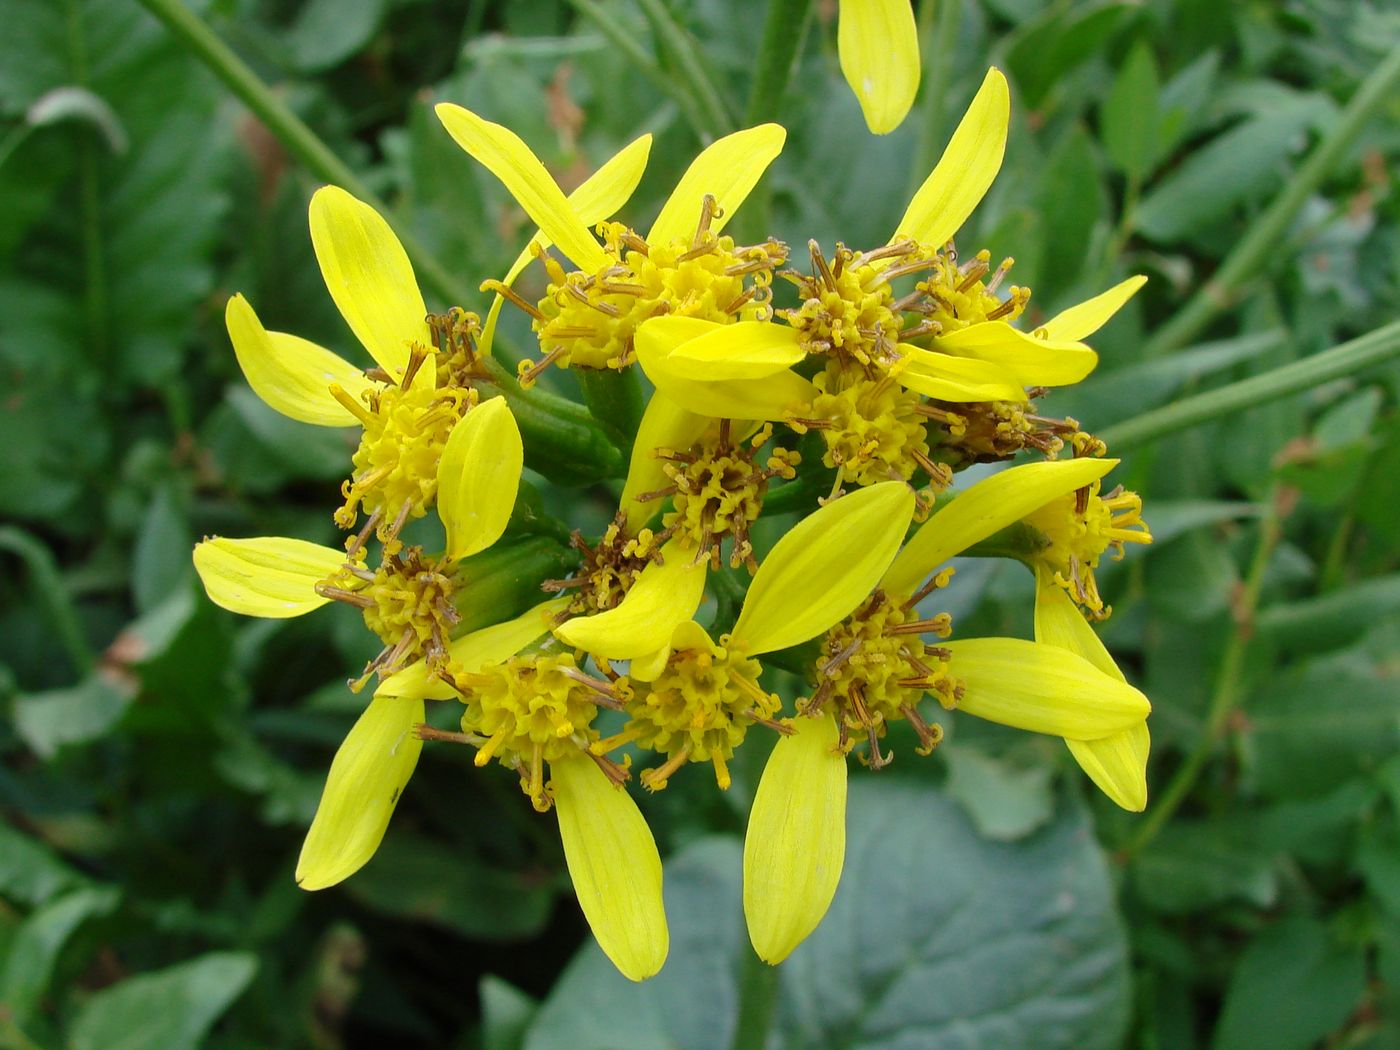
(837, 403)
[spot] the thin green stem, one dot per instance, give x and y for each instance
(777, 52)
(685, 53)
(625, 41)
(758, 1000)
(1354, 356)
(1229, 690)
(299, 139)
(53, 595)
(1259, 246)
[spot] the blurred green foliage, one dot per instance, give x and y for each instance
(162, 758)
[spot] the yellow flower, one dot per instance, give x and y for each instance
(684, 265)
(408, 602)
(408, 405)
(875, 670)
(878, 44)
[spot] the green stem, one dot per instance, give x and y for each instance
(1354, 356)
(615, 399)
(44, 575)
(777, 52)
(625, 41)
(685, 53)
(1259, 246)
(1228, 693)
(299, 139)
(758, 1000)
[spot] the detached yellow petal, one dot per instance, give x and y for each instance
(746, 350)
(616, 869)
(269, 576)
(291, 374)
(771, 397)
(666, 594)
(1082, 321)
(369, 276)
(985, 509)
(824, 567)
(367, 776)
(795, 845)
(1116, 763)
(727, 169)
(597, 198)
(964, 173)
(664, 425)
(950, 378)
(879, 48)
(472, 652)
(1042, 689)
(478, 477)
(1027, 359)
(502, 152)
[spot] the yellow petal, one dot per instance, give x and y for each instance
(824, 567)
(367, 777)
(771, 397)
(1082, 321)
(985, 509)
(879, 48)
(1042, 689)
(597, 198)
(1029, 360)
(950, 378)
(1116, 763)
(664, 425)
(666, 593)
(964, 173)
(615, 867)
(472, 652)
(727, 169)
(746, 350)
(369, 277)
(269, 576)
(795, 845)
(291, 374)
(501, 152)
(648, 666)
(478, 477)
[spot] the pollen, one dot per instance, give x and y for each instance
(608, 568)
(699, 709)
(848, 307)
(454, 334)
(589, 320)
(406, 426)
(1078, 529)
(531, 710)
(876, 668)
(963, 294)
(717, 492)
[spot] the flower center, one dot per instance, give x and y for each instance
(986, 431)
(962, 295)
(1078, 528)
(395, 467)
(697, 710)
(877, 668)
(454, 335)
(717, 491)
(848, 307)
(533, 709)
(589, 320)
(608, 569)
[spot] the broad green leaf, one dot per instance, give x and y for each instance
(1128, 114)
(937, 939)
(30, 871)
(51, 720)
(1004, 802)
(1192, 866)
(37, 942)
(1071, 201)
(170, 1009)
(506, 1013)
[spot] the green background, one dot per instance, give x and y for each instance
(162, 758)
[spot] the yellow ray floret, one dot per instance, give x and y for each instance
(728, 169)
(878, 45)
(270, 576)
(478, 477)
(1086, 318)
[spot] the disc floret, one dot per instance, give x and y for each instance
(873, 428)
(1078, 529)
(962, 294)
(608, 568)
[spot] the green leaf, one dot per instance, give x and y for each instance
(328, 32)
(170, 1009)
(1071, 202)
(506, 1013)
(37, 942)
(937, 938)
(30, 871)
(1292, 986)
(1193, 866)
(416, 878)
(1331, 620)
(1128, 115)
(1004, 802)
(160, 564)
(57, 718)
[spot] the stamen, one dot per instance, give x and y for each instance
(503, 289)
